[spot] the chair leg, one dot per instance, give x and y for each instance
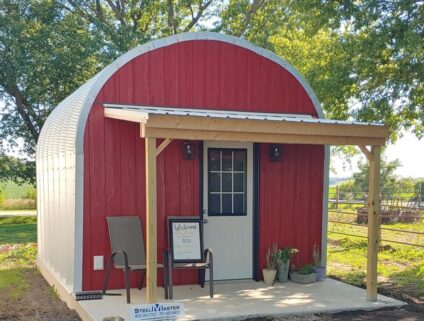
(211, 275)
(142, 278)
(127, 284)
(169, 264)
(165, 275)
(108, 269)
(202, 276)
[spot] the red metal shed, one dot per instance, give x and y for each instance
(90, 166)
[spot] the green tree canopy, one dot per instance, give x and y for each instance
(364, 59)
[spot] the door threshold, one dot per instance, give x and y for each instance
(233, 281)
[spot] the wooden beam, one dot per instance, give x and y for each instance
(373, 223)
(367, 153)
(188, 134)
(162, 146)
(151, 221)
(128, 115)
(294, 127)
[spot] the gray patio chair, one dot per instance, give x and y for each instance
(128, 252)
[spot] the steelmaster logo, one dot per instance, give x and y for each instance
(157, 312)
(158, 307)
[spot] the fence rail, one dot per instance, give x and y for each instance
(392, 211)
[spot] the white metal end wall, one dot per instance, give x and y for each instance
(56, 203)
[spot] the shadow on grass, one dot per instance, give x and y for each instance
(18, 233)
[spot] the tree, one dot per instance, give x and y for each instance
(45, 54)
(378, 70)
(19, 171)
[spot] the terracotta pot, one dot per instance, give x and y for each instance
(269, 276)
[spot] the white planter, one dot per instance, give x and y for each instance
(269, 276)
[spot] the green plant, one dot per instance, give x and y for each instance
(2, 196)
(31, 194)
(286, 253)
(307, 269)
(271, 257)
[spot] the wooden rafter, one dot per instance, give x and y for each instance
(366, 152)
(163, 145)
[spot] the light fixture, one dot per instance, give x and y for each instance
(188, 152)
(275, 152)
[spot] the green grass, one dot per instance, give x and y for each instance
(17, 253)
(399, 266)
(18, 230)
(13, 190)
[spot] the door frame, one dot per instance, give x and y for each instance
(255, 204)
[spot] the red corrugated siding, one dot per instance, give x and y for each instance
(291, 200)
(195, 74)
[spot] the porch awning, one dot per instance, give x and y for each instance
(199, 124)
(202, 124)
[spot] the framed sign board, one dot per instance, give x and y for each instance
(185, 239)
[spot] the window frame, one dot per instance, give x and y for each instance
(221, 172)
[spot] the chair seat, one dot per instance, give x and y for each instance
(200, 265)
(138, 267)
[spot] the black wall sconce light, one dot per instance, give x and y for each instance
(275, 152)
(188, 152)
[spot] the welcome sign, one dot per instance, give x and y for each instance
(185, 237)
(157, 312)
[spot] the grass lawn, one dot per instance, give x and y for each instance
(17, 253)
(400, 267)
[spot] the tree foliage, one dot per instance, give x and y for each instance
(44, 56)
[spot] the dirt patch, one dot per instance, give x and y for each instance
(39, 303)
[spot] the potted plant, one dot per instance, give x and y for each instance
(319, 269)
(305, 275)
(271, 265)
(283, 262)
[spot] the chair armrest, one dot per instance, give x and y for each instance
(124, 254)
(208, 256)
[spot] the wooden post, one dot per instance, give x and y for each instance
(373, 222)
(151, 221)
(337, 196)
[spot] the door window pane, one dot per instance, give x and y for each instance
(239, 182)
(214, 202)
(227, 181)
(215, 182)
(227, 160)
(227, 204)
(239, 203)
(214, 160)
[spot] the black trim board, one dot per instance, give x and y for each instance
(256, 220)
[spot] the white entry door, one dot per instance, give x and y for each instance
(227, 204)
